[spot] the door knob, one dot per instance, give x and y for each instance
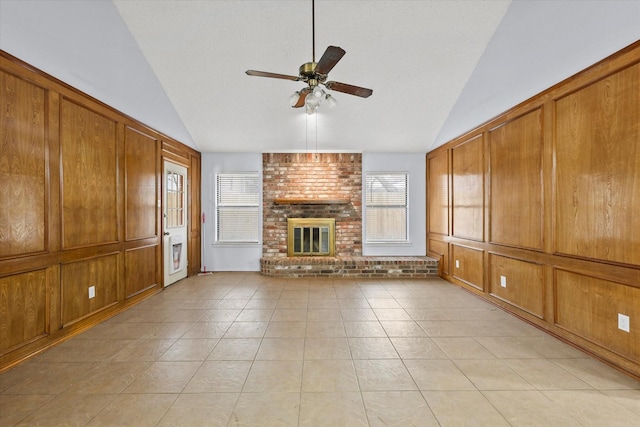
(166, 233)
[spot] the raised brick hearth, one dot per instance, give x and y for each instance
(350, 266)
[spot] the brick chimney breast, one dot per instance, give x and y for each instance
(312, 185)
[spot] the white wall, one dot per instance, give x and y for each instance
(538, 44)
(87, 45)
(227, 256)
(415, 165)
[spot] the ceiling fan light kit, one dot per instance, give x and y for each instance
(315, 74)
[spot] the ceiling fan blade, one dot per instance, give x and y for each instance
(350, 89)
(271, 75)
(329, 59)
(302, 98)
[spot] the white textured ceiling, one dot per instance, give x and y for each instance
(415, 55)
(437, 68)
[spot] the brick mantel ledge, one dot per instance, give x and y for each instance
(298, 201)
(350, 266)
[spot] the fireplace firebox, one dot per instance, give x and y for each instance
(311, 236)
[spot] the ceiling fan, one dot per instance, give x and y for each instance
(315, 74)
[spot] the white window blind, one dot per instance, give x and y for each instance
(237, 207)
(386, 207)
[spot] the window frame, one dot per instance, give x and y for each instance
(399, 241)
(218, 206)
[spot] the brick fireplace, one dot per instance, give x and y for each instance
(323, 185)
(312, 185)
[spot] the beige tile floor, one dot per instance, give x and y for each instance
(240, 349)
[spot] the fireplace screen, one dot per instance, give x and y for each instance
(311, 236)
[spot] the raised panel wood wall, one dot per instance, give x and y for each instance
(438, 193)
(589, 307)
(141, 172)
(139, 274)
(23, 314)
(468, 189)
(516, 181)
(101, 273)
(598, 169)
(79, 190)
(89, 178)
(22, 166)
(467, 265)
(517, 282)
(559, 176)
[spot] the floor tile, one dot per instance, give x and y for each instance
(365, 329)
(327, 348)
(235, 349)
(274, 376)
(417, 348)
(492, 374)
(134, 410)
(398, 409)
(463, 408)
(402, 328)
(592, 408)
(266, 409)
(383, 375)
(242, 349)
(163, 377)
(462, 348)
(207, 409)
(325, 329)
(189, 349)
(287, 329)
(338, 409)
(281, 349)
(18, 406)
(437, 375)
(328, 376)
(597, 375)
(372, 348)
(530, 408)
(68, 409)
(545, 375)
(246, 330)
(207, 330)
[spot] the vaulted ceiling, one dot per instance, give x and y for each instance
(437, 68)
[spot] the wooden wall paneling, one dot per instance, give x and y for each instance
(141, 198)
(23, 309)
(467, 265)
(76, 209)
(76, 279)
(516, 204)
(195, 223)
(517, 282)
(141, 269)
(89, 177)
(598, 169)
(468, 189)
(54, 293)
(176, 152)
(589, 307)
(23, 119)
(575, 150)
(438, 193)
(441, 249)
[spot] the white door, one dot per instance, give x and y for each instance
(174, 224)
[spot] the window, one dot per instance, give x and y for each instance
(386, 207)
(237, 207)
(175, 199)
